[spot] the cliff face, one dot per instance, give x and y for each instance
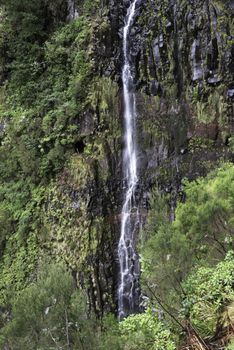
(182, 54)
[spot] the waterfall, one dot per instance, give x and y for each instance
(72, 12)
(128, 292)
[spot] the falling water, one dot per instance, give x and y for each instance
(72, 12)
(128, 292)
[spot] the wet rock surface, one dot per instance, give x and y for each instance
(182, 58)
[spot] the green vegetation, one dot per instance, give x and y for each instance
(46, 64)
(36, 141)
(145, 331)
(188, 265)
(51, 313)
(210, 296)
(183, 294)
(60, 145)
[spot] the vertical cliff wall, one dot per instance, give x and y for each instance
(183, 58)
(182, 54)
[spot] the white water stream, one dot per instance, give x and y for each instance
(129, 270)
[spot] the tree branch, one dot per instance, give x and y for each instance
(164, 308)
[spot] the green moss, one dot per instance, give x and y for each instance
(70, 233)
(200, 144)
(17, 266)
(214, 109)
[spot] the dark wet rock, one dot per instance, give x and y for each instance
(182, 57)
(215, 79)
(230, 93)
(196, 62)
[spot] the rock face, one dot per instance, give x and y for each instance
(183, 57)
(182, 53)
